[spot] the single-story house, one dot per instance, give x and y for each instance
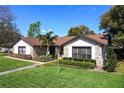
(85, 47)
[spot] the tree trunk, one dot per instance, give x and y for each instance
(58, 52)
(47, 51)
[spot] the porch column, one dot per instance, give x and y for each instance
(57, 52)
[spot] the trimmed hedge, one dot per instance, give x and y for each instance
(81, 60)
(78, 63)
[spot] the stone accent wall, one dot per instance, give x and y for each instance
(66, 51)
(37, 51)
(35, 55)
(99, 56)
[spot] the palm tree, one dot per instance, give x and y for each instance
(47, 40)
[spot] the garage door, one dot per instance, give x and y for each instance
(81, 52)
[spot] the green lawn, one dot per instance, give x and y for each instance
(48, 76)
(8, 64)
(120, 68)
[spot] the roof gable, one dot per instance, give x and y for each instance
(64, 40)
(31, 41)
(96, 38)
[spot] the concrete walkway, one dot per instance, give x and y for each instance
(26, 67)
(37, 62)
(18, 69)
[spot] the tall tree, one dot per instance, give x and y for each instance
(47, 40)
(8, 30)
(112, 22)
(6, 15)
(7, 38)
(84, 30)
(34, 29)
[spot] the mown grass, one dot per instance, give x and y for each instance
(8, 64)
(48, 76)
(120, 68)
(53, 76)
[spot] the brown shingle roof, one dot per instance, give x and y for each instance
(98, 38)
(62, 40)
(31, 41)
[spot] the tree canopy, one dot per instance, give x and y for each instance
(34, 29)
(8, 30)
(84, 30)
(6, 16)
(112, 22)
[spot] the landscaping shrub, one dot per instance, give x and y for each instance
(67, 58)
(82, 60)
(111, 59)
(120, 54)
(77, 63)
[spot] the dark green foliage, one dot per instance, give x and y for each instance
(112, 22)
(111, 60)
(80, 30)
(80, 63)
(34, 29)
(7, 38)
(82, 60)
(120, 54)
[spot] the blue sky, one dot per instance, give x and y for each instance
(58, 18)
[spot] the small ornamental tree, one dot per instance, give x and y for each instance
(111, 59)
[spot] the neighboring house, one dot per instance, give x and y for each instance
(85, 47)
(5, 50)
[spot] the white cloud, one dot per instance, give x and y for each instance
(43, 31)
(50, 30)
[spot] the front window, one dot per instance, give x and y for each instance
(81, 52)
(21, 50)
